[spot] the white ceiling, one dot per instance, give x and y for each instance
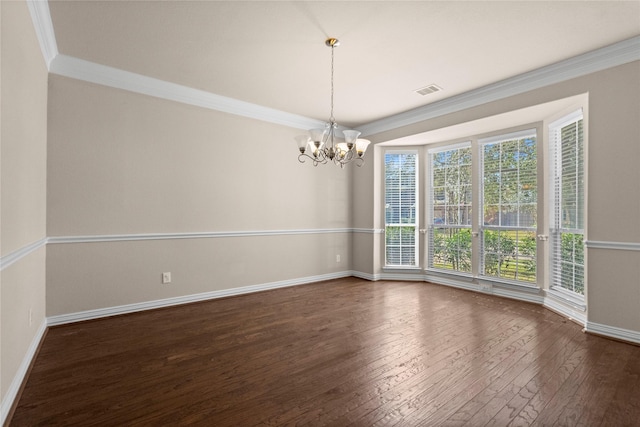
(273, 53)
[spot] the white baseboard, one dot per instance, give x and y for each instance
(520, 296)
(416, 276)
(566, 304)
(149, 305)
(20, 375)
(527, 295)
(613, 332)
(453, 282)
(565, 310)
(365, 276)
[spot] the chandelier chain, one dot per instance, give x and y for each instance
(332, 118)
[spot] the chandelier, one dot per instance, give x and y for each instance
(325, 145)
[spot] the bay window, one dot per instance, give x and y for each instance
(480, 213)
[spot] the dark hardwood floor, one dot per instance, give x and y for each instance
(343, 352)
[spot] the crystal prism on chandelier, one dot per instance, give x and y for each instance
(325, 145)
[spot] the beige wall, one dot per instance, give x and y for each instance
(24, 109)
(88, 276)
(363, 216)
(23, 186)
(121, 163)
(614, 288)
(614, 151)
(613, 177)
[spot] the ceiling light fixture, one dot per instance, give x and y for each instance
(323, 145)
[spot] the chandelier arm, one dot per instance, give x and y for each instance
(348, 157)
(357, 162)
(320, 159)
(350, 154)
(342, 161)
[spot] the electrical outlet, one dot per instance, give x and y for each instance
(166, 277)
(337, 258)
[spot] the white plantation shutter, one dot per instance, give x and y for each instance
(567, 219)
(401, 186)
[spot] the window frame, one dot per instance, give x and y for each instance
(556, 229)
(416, 216)
(431, 224)
(499, 229)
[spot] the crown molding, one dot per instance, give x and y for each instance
(41, 17)
(607, 57)
(610, 56)
(112, 77)
(80, 69)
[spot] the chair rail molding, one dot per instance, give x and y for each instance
(18, 254)
(190, 235)
(623, 246)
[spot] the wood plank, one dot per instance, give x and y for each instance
(495, 406)
(594, 392)
(341, 352)
(624, 406)
(461, 400)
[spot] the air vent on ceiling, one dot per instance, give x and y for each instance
(428, 89)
